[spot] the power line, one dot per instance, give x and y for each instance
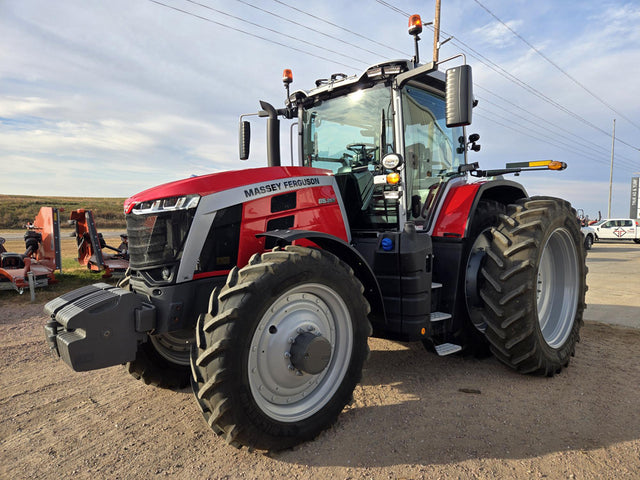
(249, 33)
(307, 27)
(393, 7)
(338, 26)
(546, 121)
(532, 90)
(528, 134)
(504, 73)
(530, 129)
(297, 39)
(339, 40)
(570, 77)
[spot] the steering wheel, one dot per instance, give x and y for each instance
(364, 150)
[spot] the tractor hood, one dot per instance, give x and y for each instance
(218, 182)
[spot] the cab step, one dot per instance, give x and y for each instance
(447, 349)
(439, 316)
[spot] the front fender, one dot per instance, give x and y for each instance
(347, 254)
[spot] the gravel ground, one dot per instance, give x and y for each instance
(412, 416)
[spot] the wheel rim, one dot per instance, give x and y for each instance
(280, 390)
(557, 289)
(174, 346)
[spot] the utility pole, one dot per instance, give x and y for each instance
(436, 33)
(613, 141)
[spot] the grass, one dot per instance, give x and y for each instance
(17, 210)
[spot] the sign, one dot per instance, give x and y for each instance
(634, 209)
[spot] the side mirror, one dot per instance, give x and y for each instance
(459, 96)
(244, 136)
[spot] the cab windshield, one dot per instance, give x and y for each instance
(349, 135)
(349, 131)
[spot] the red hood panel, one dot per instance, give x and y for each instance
(218, 182)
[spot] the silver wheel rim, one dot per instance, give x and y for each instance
(557, 289)
(174, 346)
(281, 391)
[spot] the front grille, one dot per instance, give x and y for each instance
(157, 238)
(220, 250)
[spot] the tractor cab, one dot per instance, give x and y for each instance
(387, 143)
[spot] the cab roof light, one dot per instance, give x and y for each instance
(374, 72)
(287, 76)
(392, 69)
(385, 70)
(415, 25)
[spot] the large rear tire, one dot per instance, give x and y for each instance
(282, 349)
(533, 286)
(486, 217)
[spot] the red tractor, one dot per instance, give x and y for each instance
(261, 286)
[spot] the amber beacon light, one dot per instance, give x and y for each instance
(415, 25)
(287, 76)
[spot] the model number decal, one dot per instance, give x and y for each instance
(274, 187)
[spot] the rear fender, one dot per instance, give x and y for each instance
(461, 201)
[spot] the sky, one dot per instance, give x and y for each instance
(108, 98)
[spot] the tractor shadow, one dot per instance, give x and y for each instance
(413, 407)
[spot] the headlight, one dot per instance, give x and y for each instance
(167, 205)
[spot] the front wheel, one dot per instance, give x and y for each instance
(533, 286)
(588, 242)
(163, 360)
(279, 355)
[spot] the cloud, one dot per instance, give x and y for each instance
(111, 98)
(496, 34)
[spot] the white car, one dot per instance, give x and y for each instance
(617, 229)
(589, 236)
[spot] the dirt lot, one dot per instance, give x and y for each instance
(409, 419)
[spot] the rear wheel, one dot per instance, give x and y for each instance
(279, 355)
(533, 286)
(486, 216)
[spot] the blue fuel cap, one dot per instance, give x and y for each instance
(387, 244)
